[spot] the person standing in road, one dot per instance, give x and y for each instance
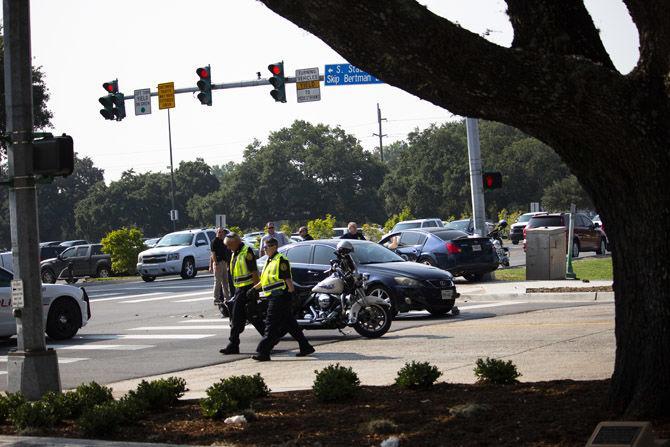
(352, 232)
(218, 264)
(304, 234)
(277, 287)
(245, 274)
(271, 233)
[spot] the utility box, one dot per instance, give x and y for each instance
(545, 253)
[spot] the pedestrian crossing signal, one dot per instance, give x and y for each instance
(492, 180)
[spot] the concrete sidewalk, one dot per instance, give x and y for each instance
(568, 343)
(510, 290)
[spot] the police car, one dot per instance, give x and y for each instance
(66, 308)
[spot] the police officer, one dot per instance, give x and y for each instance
(277, 288)
(245, 274)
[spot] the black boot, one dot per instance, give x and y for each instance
(305, 351)
(230, 349)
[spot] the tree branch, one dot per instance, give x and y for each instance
(652, 18)
(564, 28)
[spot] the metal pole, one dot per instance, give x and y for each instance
(172, 217)
(570, 273)
(380, 134)
(32, 369)
(476, 186)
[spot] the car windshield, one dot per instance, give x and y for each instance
(406, 226)
(597, 218)
(546, 221)
(173, 240)
(371, 253)
(524, 218)
(461, 225)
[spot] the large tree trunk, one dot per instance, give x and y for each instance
(558, 84)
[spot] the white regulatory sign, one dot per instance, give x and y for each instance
(17, 293)
(308, 87)
(142, 101)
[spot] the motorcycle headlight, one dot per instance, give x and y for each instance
(408, 282)
(173, 257)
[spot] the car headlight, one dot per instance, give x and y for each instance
(408, 282)
(173, 257)
(139, 259)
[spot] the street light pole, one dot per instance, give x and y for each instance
(476, 182)
(173, 211)
(32, 369)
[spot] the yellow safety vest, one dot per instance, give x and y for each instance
(271, 283)
(241, 273)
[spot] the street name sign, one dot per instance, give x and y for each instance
(166, 95)
(347, 74)
(142, 101)
(308, 87)
(17, 293)
(220, 221)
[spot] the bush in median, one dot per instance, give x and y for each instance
(334, 383)
(159, 394)
(123, 246)
(496, 371)
(417, 375)
(232, 394)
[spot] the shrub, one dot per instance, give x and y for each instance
(39, 414)
(86, 396)
(335, 382)
(405, 214)
(418, 375)
(496, 371)
(123, 246)
(102, 419)
(235, 229)
(59, 404)
(372, 232)
(159, 394)
(286, 229)
(321, 228)
(232, 394)
(380, 427)
(8, 405)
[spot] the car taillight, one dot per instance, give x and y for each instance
(453, 249)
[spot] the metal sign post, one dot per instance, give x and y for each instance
(570, 273)
(166, 101)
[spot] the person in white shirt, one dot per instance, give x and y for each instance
(281, 238)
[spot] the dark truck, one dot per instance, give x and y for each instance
(77, 262)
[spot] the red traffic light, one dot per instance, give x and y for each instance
(489, 181)
(275, 69)
(492, 180)
(109, 87)
(202, 72)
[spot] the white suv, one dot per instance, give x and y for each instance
(417, 223)
(179, 253)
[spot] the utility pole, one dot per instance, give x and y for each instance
(476, 182)
(173, 212)
(380, 134)
(32, 369)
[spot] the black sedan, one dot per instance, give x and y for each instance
(451, 250)
(407, 285)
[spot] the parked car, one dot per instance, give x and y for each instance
(417, 223)
(179, 253)
(468, 226)
(405, 285)
(587, 236)
(597, 220)
(66, 308)
(86, 260)
(73, 243)
(451, 250)
(50, 244)
(151, 242)
(516, 230)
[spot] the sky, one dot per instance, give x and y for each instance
(82, 43)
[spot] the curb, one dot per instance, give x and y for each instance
(36, 441)
(604, 297)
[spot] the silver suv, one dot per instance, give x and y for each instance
(417, 223)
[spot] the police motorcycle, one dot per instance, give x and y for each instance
(340, 300)
(496, 238)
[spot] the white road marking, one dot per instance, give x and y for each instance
(193, 300)
(178, 328)
(123, 297)
(146, 337)
(93, 295)
(485, 306)
(64, 360)
(168, 296)
(95, 347)
(206, 320)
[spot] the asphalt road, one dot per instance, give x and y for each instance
(140, 329)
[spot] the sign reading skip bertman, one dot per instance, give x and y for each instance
(307, 84)
(17, 293)
(166, 95)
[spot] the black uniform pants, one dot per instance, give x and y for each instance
(239, 315)
(279, 320)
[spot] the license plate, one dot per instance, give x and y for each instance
(476, 248)
(447, 294)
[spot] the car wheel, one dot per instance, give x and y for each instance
(48, 276)
(148, 278)
(602, 249)
(473, 277)
(104, 272)
(575, 249)
(188, 270)
(64, 319)
(383, 293)
(427, 261)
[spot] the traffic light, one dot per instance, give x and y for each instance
(492, 180)
(278, 81)
(53, 156)
(205, 85)
(113, 103)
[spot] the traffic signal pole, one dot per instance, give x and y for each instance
(476, 186)
(32, 369)
(172, 218)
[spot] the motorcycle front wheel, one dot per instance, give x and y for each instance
(374, 321)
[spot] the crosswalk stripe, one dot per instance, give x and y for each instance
(178, 328)
(146, 337)
(168, 296)
(193, 300)
(96, 347)
(206, 320)
(64, 360)
(124, 297)
(487, 305)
